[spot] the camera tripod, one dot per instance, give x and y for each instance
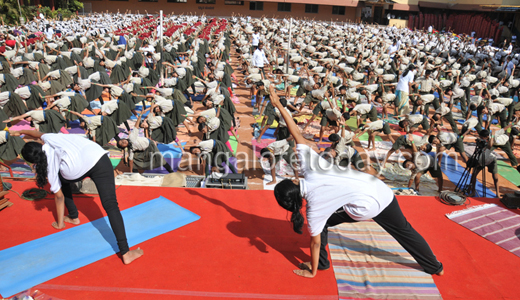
(465, 186)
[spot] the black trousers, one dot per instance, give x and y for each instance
(394, 222)
(103, 176)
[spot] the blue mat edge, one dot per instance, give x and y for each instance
(8, 289)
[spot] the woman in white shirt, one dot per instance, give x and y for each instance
(402, 91)
(337, 196)
(64, 159)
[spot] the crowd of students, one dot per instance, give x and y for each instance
(101, 68)
(382, 75)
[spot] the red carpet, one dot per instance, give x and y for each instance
(243, 247)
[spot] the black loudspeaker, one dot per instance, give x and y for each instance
(511, 201)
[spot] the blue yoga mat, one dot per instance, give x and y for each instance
(454, 170)
(269, 134)
(37, 261)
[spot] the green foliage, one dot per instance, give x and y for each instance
(11, 15)
(75, 5)
(9, 11)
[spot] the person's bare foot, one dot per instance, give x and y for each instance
(132, 255)
(440, 273)
(71, 221)
(308, 266)
(271, 183)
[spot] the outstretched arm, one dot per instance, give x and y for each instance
(293, 128)
(16, 118)
(32, 133)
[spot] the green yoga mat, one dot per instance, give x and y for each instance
(508, 173)
(352, 123)
(115, 162)
(234, 144)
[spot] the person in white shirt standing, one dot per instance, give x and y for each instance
(403, 90)
(256, 39)
(65, 159)
(259, 59)
(336, 196)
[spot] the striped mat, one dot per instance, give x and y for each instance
(370, 264)
(492, 222)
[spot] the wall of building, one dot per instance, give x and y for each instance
(219, 9)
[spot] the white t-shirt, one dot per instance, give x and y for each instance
(71, 155)
(402, 85)
(363, 108)
(256, 39)
(328, 187)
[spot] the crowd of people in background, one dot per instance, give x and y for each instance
(106, 69)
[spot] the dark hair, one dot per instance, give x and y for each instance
(346, 115)
(334, 137)
(199, 118)
(341, 88)
(431, 138)
(283, 101)
(195, 147)
(428, 149)
(411, 67)
(405, 162)
(473, 106)
(32, 152)
(436, 116)
(121, 147)
(264, 151)
(288, 196)
(484, 133)
(401, 123)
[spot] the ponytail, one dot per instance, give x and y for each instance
(32, 152)
(405, 72)
(288, 196)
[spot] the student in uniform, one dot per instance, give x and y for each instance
(98, 128)
(373, 129)
(421, 163)
(213, 155)
(446, 140)
(46, 121)
(342, 196)
(275, 152)
(143, 152)
(158, 128)
(65, 159)
(10, 146)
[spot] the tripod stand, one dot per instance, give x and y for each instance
(472, 169)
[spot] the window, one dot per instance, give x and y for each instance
(284, 7)
(205, 1)
(311, 8)
(256, 5)
(178, 1)
(233, 2)
(338, 10)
